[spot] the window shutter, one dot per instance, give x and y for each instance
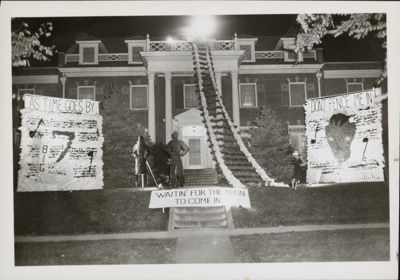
(311, 92)
(179, 96)
(125, 89)
(285, 94)
(72, 92)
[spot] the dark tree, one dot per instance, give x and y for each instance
(120, 132)
(269, 144)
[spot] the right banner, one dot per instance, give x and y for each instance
(344, 138)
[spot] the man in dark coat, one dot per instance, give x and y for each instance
(176, 149)
(141, 152)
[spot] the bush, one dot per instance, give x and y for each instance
(269, 144)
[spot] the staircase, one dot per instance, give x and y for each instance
(199, 217)
(200, 177)
(232, 158)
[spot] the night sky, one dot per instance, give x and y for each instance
(66, 28)
(160, 27)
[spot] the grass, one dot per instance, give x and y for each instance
(96, 252)
(322, 246)
(348, 203)
(102, 211)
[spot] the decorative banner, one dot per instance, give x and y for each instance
(200, 197)
(344, 138)
(61, 145)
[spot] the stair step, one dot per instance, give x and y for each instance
(199, 210)
(200, 217)
(210, 224)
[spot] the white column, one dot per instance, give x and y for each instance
(168, 107)
(319, 75)
(218, 77)
(152, 108)
(63, 79)
(235, 99)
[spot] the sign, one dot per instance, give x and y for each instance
(344, 138)
(61, 145)
(200, 197)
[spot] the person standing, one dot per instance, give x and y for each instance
(141, 152)
(176, 149)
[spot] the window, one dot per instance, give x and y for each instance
(247, 52)
(354, 87)
(248, 49)
(297, 94)
(248, 95)
(88, 52)
(190, 97)
(297, 138)
(134, 49)
(135, 55)
(138, 97)
(87, 92)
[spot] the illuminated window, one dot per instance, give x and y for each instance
(248, 95)
(191, 98)
(138, 97)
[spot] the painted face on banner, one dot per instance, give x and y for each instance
(340, 134)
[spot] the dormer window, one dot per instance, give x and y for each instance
(248, 46)
(88, 52)
(134, 49)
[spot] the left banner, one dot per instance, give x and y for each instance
(61, 145)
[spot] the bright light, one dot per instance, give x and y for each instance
(202, 26)
(170, 40)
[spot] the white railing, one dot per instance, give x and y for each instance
(270, 54)
(165, 46)
(71, 58)
(113, 57)
(222, 45)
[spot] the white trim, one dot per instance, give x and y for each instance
(361, 73)
(184, 95)
(88, 42)
(290, 94)
(103, 71)
(147, 98)
(29, 89)
(35, 79)
(94, 91)
(279, 68)
(240, 95)
(354, 83)
(95, 46)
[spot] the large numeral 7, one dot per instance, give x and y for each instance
(71, 136)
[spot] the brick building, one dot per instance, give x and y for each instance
(156, 78)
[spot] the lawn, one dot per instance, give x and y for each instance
(148, 251)
(102, 211)
(317, 246)
(347, 203)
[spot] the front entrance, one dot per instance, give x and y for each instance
(195, 137)
(194, 134)
(194, 153)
